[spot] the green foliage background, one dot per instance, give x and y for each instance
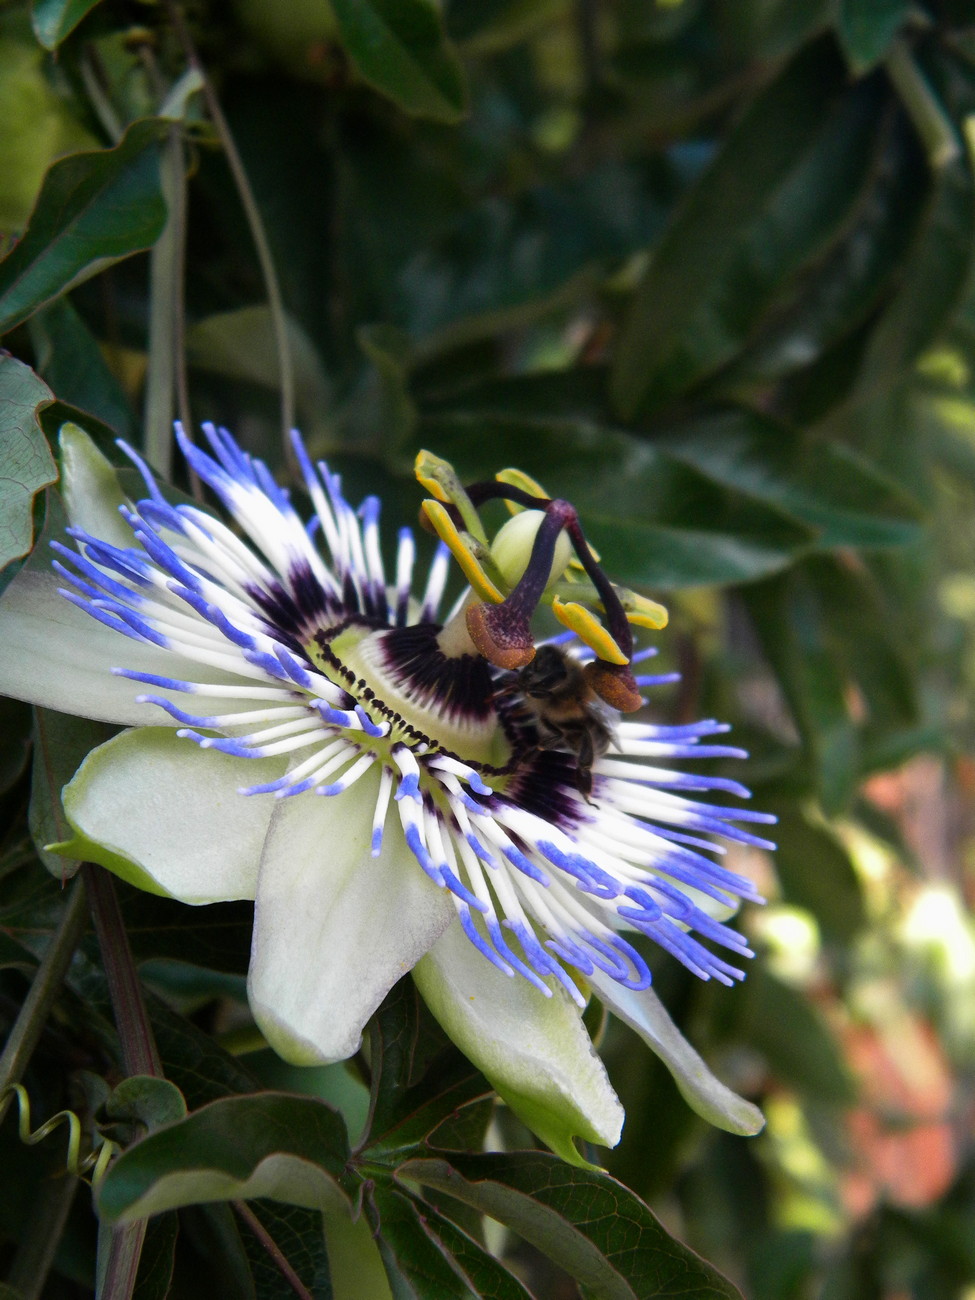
(703, 267)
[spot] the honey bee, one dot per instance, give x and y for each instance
(566, 710)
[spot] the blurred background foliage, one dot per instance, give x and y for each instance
(703, 267)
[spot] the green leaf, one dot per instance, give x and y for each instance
(297, 1234)
(61, 744)
(490, 272)
(867, 27)
(93, 210)
(816, 872)
(787, 613)
(865, 630)
(157, 1258)
(655, 522)
(933, 283)
(418, 1081)
(827, 486)
(53, 20)
(846, 287)
(292, 1149)
(204, 1072)
(785, 1027)
(717, 264)
(149, 1100)
(70, 360)
(433, 1257)
(26, 463)
(395, 411)
(400, 48)
(241, 345)
(590, 1225)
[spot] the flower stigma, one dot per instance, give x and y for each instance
(521, 787)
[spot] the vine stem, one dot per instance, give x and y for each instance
(930, 120)
(273, 1249)
(46, 985)
(33, 1259)
(138, 1046)
(139, 1056)
(256, 225)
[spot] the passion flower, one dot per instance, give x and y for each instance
(313, 733)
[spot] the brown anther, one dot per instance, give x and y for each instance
(504, 641)
(615, 684)
(425, 522)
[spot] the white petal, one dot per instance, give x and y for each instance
(534, 1050)
(335, 928)
(168, 816)
(643, 1011)
(53, 654)
(91, 490)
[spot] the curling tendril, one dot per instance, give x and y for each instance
(97, 1160)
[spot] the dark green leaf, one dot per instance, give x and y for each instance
(26, 463)
(291, 1148)
(655, 522)
(53, 20)
(148, 1100)
(400, 48)
(865, 633)
(297, 1233)
(490, 272)
(589, 1224)
(395, 411)
(70, 360)
(934, 279)
(783, 1025)
(219, 1237)
(164, 931)
(788, 616)
(419, 1084)
(61, 743)
(15, 727)
(826, 485)
(433, 1258)
(846, 287)
(867, 27)
(696, 263)
(93, 209)
(156, 1261)
(816, 872)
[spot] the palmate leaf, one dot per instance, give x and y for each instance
(93, 209)
(654, 521)
(429, 1258)
(723, 495)
(421, 1084)
(716, 263)
(590, 1225)
(289, 1148)
(825, 485)
(26, 463)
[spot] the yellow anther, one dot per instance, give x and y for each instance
(517, 478)
(439, 477)
(461, 551)
(588, 627)
(432, 472)
(641, 611)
